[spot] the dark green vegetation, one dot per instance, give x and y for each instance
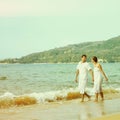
(108, 50)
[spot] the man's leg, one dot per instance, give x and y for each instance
(87, 95)
(82, 96)
(102, 96)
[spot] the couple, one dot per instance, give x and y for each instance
(82, 71)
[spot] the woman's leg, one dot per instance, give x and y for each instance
(101, 93)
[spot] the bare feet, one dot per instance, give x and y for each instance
(82, 101)
(89, 98)
(102, 99)
(96, 100)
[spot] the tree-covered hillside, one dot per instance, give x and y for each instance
(108, 50)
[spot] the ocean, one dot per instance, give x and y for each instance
(37, 83)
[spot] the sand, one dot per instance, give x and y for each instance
(65, 110)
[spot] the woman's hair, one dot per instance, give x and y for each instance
(95, 59)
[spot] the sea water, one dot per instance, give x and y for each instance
(46, 82)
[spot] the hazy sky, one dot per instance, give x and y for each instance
(28, 26)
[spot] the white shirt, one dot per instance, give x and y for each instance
(83, 70)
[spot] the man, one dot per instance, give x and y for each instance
(82, 71)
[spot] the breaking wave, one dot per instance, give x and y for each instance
(9, 99)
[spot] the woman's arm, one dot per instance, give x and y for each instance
(100, 67)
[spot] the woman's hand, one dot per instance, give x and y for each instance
(106, 78)
(76, 80)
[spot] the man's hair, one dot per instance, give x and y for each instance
(83, 56)
(95, 58)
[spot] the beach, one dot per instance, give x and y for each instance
(65, 110)
(59, 60)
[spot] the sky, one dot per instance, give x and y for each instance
(29, 26)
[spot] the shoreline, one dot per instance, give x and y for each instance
(65, 110)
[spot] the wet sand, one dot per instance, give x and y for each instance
(64, 110)
(109, 117)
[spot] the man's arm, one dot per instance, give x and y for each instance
(76, 77)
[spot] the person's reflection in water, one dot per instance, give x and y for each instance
(85, 112)
(99, 109)
(91, 110)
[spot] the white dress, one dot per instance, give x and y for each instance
(98, 78)
(83, 75)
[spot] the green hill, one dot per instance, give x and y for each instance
(108, 50)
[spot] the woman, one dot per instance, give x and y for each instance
(98, 77)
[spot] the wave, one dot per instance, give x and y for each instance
(9, 99)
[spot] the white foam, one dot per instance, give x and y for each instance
(8, 95)
(52, 95)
